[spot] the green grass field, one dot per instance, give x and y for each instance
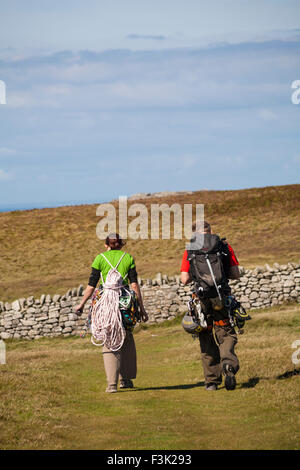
(49, 251)
(53, 393)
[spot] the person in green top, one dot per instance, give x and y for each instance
(126, 267)
(119, 364)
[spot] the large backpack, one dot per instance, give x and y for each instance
(209, 265)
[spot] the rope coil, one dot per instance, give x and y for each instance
(107, 326)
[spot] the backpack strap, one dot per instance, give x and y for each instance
(213, 276)
(113, 267)
(120, 260)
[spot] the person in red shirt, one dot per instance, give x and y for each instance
(185, 264)
(218, 355)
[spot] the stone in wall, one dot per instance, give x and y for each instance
(164, 298)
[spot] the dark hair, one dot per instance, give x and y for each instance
(205, 226)
(114, 241)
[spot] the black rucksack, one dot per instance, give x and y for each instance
(209, 265)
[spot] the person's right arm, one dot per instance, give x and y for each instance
(87, 294)
(185, 277)
(93, 280)
(184, 270)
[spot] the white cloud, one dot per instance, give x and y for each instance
(267, 115)
(189, 161)
(296, 159)
(226, 108)
(7, 151)
(4, 176)
(153, 37)
(223, 75)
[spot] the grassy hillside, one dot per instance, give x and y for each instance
(51, 250)
(52, 393)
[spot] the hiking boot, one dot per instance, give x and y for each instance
(126, 384)
(211, 387)
(111, 389)
(230, 382)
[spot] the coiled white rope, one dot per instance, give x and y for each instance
(107, 326)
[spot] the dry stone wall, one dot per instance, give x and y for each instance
(164, 298)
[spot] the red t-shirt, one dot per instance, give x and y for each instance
(185, 264)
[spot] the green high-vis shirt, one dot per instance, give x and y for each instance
(113, 257)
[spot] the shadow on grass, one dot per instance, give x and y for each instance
(254, 380)
(169, 387)
(251, 382)
(288, 374)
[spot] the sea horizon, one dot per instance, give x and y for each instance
(43, 205)
(22, 206)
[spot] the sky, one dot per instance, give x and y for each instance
(109, 98)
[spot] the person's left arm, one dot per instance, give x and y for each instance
(234, 272)
(133, 280)
(136, 288)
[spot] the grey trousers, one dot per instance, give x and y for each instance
(121, 364)
(214, 355)
(217, 349)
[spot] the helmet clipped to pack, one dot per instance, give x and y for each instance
(190, 325)
(194, 321)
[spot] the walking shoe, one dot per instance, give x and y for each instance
(126, 384)
(230, 382)
(111, 389)
(211, 387)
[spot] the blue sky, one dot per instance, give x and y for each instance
(114, 98)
